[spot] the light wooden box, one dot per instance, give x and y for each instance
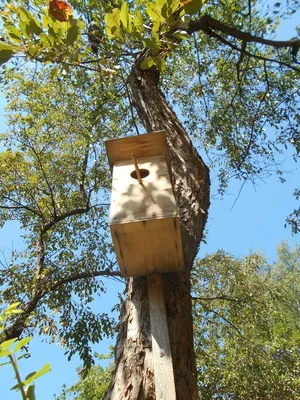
(144, 220)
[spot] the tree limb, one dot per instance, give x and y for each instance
(234, 47)
(76, 211)
(18, 325)
(219, 298)
(205, 23)
(83, 275)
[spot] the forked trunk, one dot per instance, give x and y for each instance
(134, 375)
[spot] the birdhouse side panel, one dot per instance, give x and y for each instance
(131, 201)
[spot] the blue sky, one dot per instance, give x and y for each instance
(254, 223)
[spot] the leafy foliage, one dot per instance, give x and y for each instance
(26, 387)
(246, 322)
(55, 184)
(93, 386)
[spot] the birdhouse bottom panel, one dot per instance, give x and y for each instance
(147, 247)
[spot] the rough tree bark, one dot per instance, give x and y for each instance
(133, 376)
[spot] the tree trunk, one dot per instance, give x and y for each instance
(133, 375)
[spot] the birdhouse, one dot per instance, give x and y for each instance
(144, 220)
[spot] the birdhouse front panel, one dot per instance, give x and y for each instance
(154, 198)
(144, 219)
(147, 247)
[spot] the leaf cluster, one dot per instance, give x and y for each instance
(26, 386)
(246, 322)
(55, 185)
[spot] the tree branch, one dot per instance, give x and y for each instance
(234, 47)
(77, 211)
(18, 325)
(205, 23)
(83, 275)
(227, 321)
(46, 178)
(19, 206)
(219, 298)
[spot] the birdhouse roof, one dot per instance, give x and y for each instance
(146, 145)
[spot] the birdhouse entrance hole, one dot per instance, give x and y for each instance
(144, 173)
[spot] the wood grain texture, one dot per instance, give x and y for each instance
(144, 219)
(162, 357)
(131, 201)
(148, 247)
(147, 145)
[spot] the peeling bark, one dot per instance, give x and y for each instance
(133, 376)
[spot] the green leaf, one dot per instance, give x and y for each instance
(181, 35)
(193, 6)
(30, 395)
(23, 356)
(32, 24)
(4, 353)
(13, 32)
(57, 30)
(54, 73)
(6, 345)
(22, 343)
(160, 3)
(169, 7)
(16, 312)
(47, 40)
(124, 15)
(35, 24)
(23, 27)
(147, 63)
(160, 63)
(6, 363)
(16, 387)
(12, 306)
(154, 12)
(80, 24)
(113, 22)
(138, 21)
(153, 44)
(113, 19)
(35, 375)
(72, 35)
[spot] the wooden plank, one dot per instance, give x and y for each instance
(148, 247)
(147, 145)
(131, 201)
(162, 357)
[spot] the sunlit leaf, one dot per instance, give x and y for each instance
(6, 345)
(147, 63)
(34, 375)
(72, 35)
(192, 6)
(12, 306)
(23, 342)
(124, 15)
(30, 393)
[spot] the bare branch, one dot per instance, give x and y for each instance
(83, 275)
(205, 23)
(234, 47)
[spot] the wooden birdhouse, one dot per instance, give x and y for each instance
(144, 220)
